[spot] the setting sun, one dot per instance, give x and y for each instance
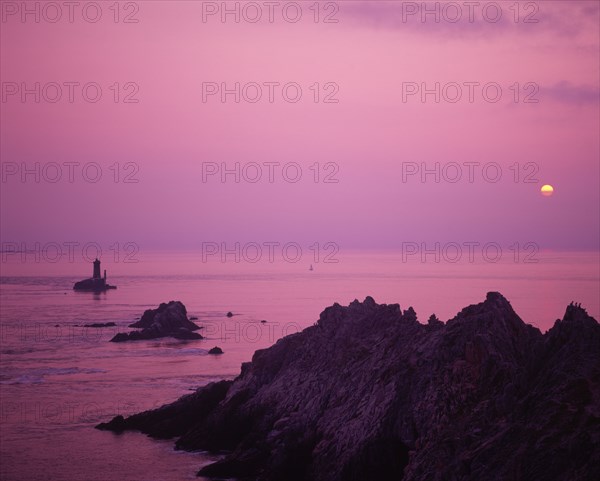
(547, 190)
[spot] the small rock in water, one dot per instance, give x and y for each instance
(168, 320)
(230, 314)
(100, 324)
(216, 350)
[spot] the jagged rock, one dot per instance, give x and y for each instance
(123, 336)
(168, 314)
(370, 393)
(433, 321)
(216, 350)
(173, 419)
(117, 425)
(168, 320)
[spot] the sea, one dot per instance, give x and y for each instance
(58, 378)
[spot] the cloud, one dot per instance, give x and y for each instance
(566, 92)
(463, 19)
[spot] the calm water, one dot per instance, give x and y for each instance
(59, 379)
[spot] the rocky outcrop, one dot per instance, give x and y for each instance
(173, 419)
(93, 285)
(369, 393)
(216, 350)
(168, 320)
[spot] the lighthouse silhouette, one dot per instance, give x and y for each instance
(96, 273)
(95, 283)
(96, 269)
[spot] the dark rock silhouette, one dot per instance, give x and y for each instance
(168, 320)
(100, 324)
(433, 321)
(94, 283)
(188, 410)
(369, 393)
(216, 350)
(230, 314)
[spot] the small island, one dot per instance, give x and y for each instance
(168, 320)
(94, 283)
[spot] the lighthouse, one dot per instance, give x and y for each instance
(96, 283)
(96, 274)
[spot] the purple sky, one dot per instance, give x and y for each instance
(371, 134)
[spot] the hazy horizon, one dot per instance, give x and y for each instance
(364, 148)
